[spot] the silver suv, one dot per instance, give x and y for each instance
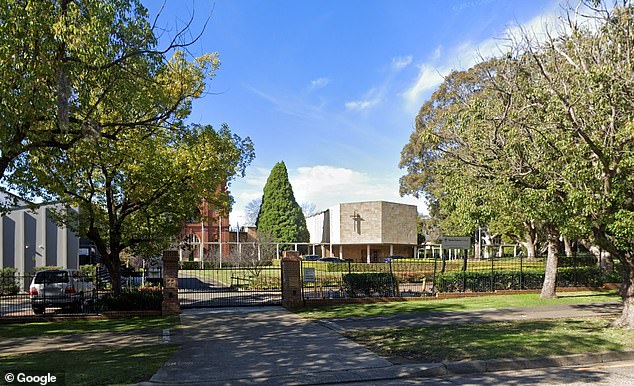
(60, 288)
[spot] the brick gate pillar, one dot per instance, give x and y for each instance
(291, 280)
(170, 305)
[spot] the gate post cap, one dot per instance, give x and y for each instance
(290, 256)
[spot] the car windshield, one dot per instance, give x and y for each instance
(51, 277)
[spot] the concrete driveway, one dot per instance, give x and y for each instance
(263, 345)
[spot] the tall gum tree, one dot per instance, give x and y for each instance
(560, 109)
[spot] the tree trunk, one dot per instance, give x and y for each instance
(443, 264)
(604, 258)
(626, 320)
(550, 277)
(530, 239)
(113, 264)
(567, 247)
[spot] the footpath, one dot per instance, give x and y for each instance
(273, 346)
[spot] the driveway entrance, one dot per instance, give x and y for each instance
(229, 287)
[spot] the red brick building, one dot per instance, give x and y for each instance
(212, 233)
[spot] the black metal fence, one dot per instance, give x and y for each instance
(232, 286)
(427, 277)
(75, 293)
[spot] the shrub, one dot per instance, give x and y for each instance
(47, 268)
(369, 284)
(143, 299)
(8, 281)
(480, 281)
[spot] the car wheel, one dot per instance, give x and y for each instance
(38, 310)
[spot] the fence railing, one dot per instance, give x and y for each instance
(427, 277)
(71, 293)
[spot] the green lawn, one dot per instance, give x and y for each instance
(459, 304)
(527, 339)
(85, 326)
(93, 366)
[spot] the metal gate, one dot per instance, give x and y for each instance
(227, 287)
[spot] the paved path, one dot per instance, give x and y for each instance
(268, 345)
(273, 346)
(475, 316)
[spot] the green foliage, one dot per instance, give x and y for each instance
(280, 215)
(133, 300)
(46, 268)
(370, 284)
(88, 270)
(541, 136)
(9, 281)
(480, 281)
(116, 148)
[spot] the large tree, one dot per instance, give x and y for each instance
(280, 215)
(93, 116)
(557, 118)
(136, 192)
(76, 68)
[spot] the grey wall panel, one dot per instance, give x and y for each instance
(8, 245)
(30, 242)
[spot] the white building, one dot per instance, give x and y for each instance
(31, 238)
(365, 231)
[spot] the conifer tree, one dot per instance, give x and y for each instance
(280, 215)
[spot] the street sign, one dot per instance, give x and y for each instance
(456, 242)
(309, 275)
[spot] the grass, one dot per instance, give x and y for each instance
(459, 304)
(527, 339)
(93, 366)
(68, 327)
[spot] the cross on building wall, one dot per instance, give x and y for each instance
(356, 218)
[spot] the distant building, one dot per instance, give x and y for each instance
(31, 238)
(365, 231)
(211, 232)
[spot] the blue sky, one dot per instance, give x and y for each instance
(332, 87)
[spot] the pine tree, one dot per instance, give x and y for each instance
(280, 215)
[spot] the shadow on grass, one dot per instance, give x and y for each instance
(93, 366)
(524, 339)
(67, 327)
(534, 377)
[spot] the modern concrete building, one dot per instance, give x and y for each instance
(31, 238)
(365, 231)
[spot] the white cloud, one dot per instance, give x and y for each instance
(401, 62)
(467, 54)
(325, 186)
(361, 105)
(370, 100)
(318, 83)
(428, 79)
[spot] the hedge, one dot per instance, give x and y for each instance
(143, 299)
(480, 281)
(370, 284)
(8, 281)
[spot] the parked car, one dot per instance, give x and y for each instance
(310, 257)
(396, 257)
(60, 288)
(331, 260)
